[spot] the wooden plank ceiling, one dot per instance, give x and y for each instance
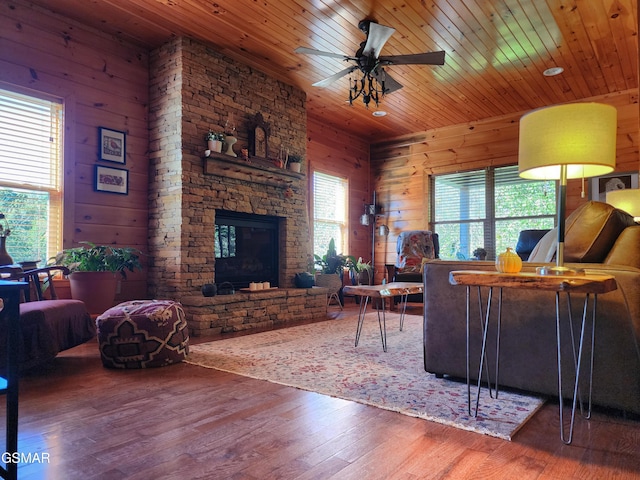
(496, 50)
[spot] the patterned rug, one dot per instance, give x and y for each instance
(321, 357)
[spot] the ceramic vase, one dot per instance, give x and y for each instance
(229, 142)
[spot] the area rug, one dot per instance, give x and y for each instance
(321, 357)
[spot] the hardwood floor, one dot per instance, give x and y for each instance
(187, 422)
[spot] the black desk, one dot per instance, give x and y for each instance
(10, 315)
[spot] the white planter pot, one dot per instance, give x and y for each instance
(294, 166)
(215, 146)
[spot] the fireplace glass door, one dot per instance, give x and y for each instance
(246, 248)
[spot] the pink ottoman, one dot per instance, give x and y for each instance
(142, 334)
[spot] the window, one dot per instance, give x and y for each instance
(30, 175)
(330, 196)
(488, 209)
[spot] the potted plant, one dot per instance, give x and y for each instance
(361, 272)
(480, 254)
(94, 270)
(332, 262)
(294, 162)
(214, 141)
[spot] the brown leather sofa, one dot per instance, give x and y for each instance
(596, 233)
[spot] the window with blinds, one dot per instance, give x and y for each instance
(329, 212)
(31, 174)
(488, 209)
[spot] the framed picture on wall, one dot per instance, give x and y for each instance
(112, 145)
(614, 181)
(112, 180)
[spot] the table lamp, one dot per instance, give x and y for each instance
(627, 200)
(576, 140)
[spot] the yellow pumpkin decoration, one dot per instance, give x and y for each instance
(508, 262)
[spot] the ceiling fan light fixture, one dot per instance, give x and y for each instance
(368, 87)
(553, 71)
(375, 82)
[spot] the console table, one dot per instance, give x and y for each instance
(381, 292)
(10, 293)
(591, 285)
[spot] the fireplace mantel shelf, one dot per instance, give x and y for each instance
(250, 171)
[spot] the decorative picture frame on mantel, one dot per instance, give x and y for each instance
(259, 131)
(613, 181)
(112, 145)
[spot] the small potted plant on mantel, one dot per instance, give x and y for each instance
(294, 162)
(214, 140)
(93, 272)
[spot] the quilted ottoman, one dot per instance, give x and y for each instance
(142, 334)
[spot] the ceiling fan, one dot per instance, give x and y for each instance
(375, 82)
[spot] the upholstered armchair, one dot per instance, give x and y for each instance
(413, 248)
(48, 325)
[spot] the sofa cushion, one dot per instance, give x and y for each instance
(527, 241)
(545, 249)
(591, 231)
(625, 251)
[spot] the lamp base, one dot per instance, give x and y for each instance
(559, 270)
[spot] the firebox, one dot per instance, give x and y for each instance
(246, 248)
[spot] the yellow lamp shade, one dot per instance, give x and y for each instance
(627, 200)
(581, 136)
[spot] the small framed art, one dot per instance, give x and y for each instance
(112, 180)
(112, 145)
(614, 181)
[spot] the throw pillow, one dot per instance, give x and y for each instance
(545, 249)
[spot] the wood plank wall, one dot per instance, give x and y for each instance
(401, 166)
(104, 82)
(335, 152)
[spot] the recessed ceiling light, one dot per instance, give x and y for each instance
(379, 113)
(550, 72)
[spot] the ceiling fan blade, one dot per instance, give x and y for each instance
(329, 80)
(377, 37)
(429, 58)
(390, 85)
(311, 51)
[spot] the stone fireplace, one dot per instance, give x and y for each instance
(195, 89)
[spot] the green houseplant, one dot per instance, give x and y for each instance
(361, 272)
(294, 162)
(331, 270)
(214, 141)
(94, 269)
(332, 262)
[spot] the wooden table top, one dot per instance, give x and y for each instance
(387, 290)
(587, 283)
